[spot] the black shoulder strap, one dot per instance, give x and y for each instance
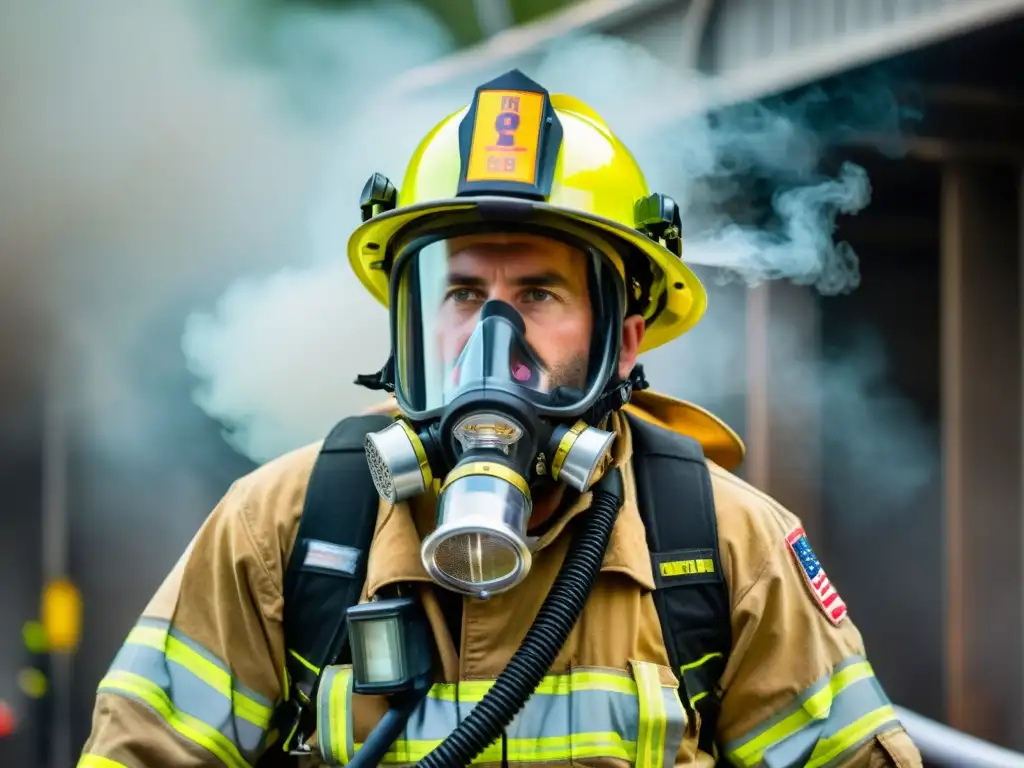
(327, 568)
(678, 509)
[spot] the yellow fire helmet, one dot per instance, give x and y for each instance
(518, 155)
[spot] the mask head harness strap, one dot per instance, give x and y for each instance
(616, 395)
(382, 380)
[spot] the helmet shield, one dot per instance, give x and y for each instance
(534, 315)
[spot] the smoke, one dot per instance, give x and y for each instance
(716, 164)
(196, 168)
(153, 152)
(885, 448)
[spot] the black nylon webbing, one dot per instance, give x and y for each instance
(678, 508)
(327, 568)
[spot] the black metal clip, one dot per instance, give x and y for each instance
(379, 195)
(384, 379)
(658, 217)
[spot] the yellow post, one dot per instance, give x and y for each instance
(62, 615)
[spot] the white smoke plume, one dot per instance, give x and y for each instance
(154, 152)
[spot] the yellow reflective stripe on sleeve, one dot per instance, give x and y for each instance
(824, 719)
(813, 705)
(98, 761)
(210, 673)
(852, 736)
(195, 685)
(194, 730)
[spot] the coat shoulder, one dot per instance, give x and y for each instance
(752, 528)
(744, 510)
(272, 499)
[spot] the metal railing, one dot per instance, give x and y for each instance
(942, 745)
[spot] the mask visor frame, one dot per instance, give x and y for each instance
(606, 282)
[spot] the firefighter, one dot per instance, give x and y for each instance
(525, 265)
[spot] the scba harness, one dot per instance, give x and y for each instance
(327, 569)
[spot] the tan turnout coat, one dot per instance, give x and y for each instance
(197, 678)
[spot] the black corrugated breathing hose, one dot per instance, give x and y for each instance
(545, 638)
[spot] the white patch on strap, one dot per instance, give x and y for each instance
(331, 557)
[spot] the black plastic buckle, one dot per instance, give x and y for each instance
(658, 217)
(384, 379)
(379, 195)
(289, 722)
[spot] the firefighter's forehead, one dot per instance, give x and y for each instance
(512, 248)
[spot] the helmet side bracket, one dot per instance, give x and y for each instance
(657, 217)
(379, 195)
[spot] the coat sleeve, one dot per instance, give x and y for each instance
(798, 689)
(196, 680)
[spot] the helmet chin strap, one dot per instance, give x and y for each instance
(616, 395)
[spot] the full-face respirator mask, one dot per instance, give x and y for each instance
(486, 422)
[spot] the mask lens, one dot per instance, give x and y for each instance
(552, 329)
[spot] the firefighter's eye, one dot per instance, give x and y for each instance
(537, 295)
(462, 295)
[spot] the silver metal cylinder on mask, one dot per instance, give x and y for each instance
(578, 453)
(479, 547)
(398, 462)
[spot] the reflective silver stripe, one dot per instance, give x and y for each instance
(831, 718)
(544, 716)
(675, 724)
(193, 682)
(837, 744)
(587, 713)
(323, 716)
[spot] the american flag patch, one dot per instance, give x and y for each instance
(826, 595)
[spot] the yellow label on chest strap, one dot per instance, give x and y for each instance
(687, 567)
(506, 136)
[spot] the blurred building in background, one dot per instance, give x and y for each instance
(934, 573)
